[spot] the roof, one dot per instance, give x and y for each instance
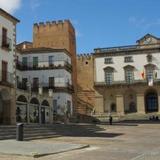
(42, 50)
(146, 36)
(9, 16)
(24, 42)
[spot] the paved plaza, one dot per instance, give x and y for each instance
(121, 141)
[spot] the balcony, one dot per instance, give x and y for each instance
(6, 78)
(44, 65)
(6, 44)
(21, 85)
(57, 87)
(124, 83)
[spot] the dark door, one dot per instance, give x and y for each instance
(43, 115)
(35, 84)
(151, 102)
(51, 82)
(4, 71)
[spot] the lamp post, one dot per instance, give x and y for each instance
(29, 97)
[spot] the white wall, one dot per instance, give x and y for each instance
(6, 55)
(139, 61)
(61, 75)
(62, 99)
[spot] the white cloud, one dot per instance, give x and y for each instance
(144, 23)
(10, 5)
(34, 4)
(78, 34)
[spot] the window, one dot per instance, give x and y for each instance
(149, 58)
(24, 61)
(128, 59)
(50, 59)
(4, 38)
(35, 82)
(24, 83)
(149, 74)
(51, 82)
(108, 60)
(35, 62)
(129, 75)
(108, 77)
(150, 68)
(55, 106)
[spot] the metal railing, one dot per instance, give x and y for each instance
(144, 81)
(21, 85)
(56, 86)
(44, 65)
(125, 48)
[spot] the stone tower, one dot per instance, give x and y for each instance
(60, 35)
(85, 84)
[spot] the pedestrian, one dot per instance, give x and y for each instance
(110, 120)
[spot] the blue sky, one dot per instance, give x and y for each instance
(98, 23)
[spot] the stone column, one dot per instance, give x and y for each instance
(140, 103)
(120, 104)
(12, 107)
(99, 104)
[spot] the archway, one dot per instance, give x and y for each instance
(45, 112)
(21, 109)
(34, 110)
(130, 101)
(113, 107)
(151, 101)
(5, 108)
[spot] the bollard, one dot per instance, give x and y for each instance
(19, 134)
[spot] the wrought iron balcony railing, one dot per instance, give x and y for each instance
(134, 82)
(42, 65)
(57, 87)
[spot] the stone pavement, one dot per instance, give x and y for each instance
(121, 141)
(36, 149)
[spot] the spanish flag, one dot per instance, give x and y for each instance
(142, 74)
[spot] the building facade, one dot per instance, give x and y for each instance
(44, 84)
(7, 67)
(127, 78)
(58, 35)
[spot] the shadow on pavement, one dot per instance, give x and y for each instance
(77, 130)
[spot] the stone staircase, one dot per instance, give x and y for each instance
(30, 132)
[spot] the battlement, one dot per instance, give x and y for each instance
(58, 24)
(86, 56)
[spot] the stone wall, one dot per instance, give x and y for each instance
(85, 81)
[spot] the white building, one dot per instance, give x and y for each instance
(127, 78)
(7, 67)
(44, 81)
